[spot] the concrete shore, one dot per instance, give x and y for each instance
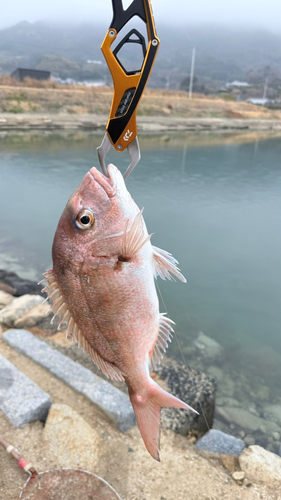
(88, 122)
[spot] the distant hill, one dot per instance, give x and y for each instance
(222, 54)
(76, 42)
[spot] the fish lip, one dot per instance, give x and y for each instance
(108, 184)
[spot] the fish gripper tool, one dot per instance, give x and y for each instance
(121, 129)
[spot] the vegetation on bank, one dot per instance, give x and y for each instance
(48, 96)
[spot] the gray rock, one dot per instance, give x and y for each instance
(216, 373)
(230, 462)
(112, 401)
(20, 286)
(261, 465)
(251, 407)
(268, 427)
(196, 389)
(238, 476)
(225, 401)
(39, 316)
(18, 307)
(21, 400)
(221, 426)
(219, 442)
(273, 412)
(246, 420)
(274, 448)
(276, 436)
(34, 316)
(6, 288)
(226, 387)
(208, 347)
(45, 324)
(249, 440)
(5, 299)
(70, 439)
(262, 393)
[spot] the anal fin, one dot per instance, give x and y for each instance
(60, 309)
(164, 335)
(110, 370)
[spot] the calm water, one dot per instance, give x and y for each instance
(216, 207)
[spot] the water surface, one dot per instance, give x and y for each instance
(214, 204)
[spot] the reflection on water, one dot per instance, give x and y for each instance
(213, 202)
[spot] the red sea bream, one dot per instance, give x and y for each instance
(103, 285)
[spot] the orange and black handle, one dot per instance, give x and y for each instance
(128, 85)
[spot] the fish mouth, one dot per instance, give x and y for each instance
(108, 184)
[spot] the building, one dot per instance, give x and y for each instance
(223, 90)
(260, 101)
(22, 73)
(237, 83)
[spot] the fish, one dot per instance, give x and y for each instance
(103, 286)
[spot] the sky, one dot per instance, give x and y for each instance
(252, 13)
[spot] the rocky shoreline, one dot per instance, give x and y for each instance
(152, 124)
(247, 412)
(237, 433)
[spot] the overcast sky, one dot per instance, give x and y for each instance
(260, 13)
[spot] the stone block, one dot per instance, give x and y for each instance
(21, 400)
(112, 401)
(219, 442)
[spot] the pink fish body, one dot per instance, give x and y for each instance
(103, 285)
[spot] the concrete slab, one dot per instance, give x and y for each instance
(112, 401)
(21, 400)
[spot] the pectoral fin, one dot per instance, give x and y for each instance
(166, 265)
(134, 238)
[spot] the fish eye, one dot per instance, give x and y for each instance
(85, 219)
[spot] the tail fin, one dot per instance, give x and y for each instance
(147, 410)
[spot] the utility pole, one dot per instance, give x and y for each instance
(192, 72)
(167, 81)
(265, 87)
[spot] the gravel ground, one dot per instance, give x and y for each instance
(183, 473)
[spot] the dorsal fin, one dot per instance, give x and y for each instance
(60, 309)
(164, 335)
(165, 264)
